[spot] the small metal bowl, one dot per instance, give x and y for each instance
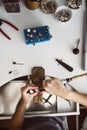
(63, 14)
(48, 6)
(74, 4)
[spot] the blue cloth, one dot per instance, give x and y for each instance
(84, 125)
(47, 123)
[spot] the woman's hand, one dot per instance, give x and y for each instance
(26, 96)
(56, 87)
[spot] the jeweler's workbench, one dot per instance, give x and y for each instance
(17, 58)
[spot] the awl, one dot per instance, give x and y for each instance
(66, 66)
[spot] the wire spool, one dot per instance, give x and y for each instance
(32, 4)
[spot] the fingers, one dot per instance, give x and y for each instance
(47, 84)
(52, 85)
(48, 81)
(25, 89)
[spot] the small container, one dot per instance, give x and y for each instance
(74, 4)
(12, 6)
(48, 6)
(63, 14)
(32, 4)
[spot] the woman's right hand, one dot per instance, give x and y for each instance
(56, 87)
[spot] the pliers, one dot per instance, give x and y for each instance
(10, 24)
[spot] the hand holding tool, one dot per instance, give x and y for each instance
(66, 66)
(10, 24)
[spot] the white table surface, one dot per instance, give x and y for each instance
(64, 37)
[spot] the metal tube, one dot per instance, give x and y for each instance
(84, 49)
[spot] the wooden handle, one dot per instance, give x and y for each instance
(66, 66)
(79, 76)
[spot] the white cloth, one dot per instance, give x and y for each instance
(9, 96)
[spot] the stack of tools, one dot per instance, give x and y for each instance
(12, 6)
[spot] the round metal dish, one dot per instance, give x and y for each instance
(63, 14)
(74, 4)
(48, 6)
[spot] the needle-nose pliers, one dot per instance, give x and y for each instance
(10, 24)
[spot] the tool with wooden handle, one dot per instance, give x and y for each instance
(71, 78)
(74, 77)
(66, 66)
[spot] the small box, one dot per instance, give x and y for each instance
(37, 35)
(12, 7)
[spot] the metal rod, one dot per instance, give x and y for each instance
(84, 50)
